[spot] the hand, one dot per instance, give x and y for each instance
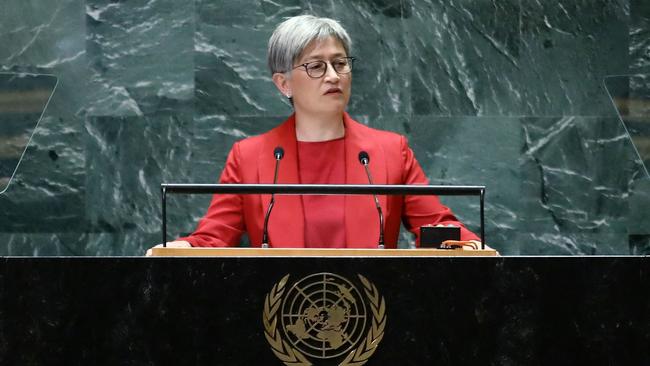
(467, 245)
(461, 244)
(170, 244)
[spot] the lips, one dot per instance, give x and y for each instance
(333, 91)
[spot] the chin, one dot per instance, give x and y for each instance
(338, 109)
(331, 107)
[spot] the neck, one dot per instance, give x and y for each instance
(319, 128)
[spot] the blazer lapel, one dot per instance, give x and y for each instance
(286, 223)
(361, 217)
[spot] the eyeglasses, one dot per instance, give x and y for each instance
(316, 69)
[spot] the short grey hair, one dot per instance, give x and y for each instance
(292, 36)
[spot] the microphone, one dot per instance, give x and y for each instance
(364, 159)
(278, 154)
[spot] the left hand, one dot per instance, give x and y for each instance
(170, 244)
(466, 244)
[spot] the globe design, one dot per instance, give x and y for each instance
(324, 315)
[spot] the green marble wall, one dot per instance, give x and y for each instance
(508, 94)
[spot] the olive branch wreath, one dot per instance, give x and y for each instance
(292, 357)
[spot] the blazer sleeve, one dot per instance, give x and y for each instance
(424, 210)
(223, 224)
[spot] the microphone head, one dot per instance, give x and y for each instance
(364, 158)
(278, 153)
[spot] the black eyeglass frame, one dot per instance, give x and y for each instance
(350, 60)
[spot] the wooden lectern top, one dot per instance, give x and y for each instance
(312, 252)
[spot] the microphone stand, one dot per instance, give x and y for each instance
(365, 159)
(279, 154)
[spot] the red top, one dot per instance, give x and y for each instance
(323, 162)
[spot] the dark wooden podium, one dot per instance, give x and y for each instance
(402, 309)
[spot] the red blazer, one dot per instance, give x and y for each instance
(251, 161)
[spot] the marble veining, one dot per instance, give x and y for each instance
(509, 94)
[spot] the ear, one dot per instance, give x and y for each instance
(283, 83)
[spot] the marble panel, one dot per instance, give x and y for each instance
(128, 158)
(480, 58)
(548, 177)
(231, 13)
(123, 242)
(54, 244)
(382, 69)
(231, 73)
(547, 241)
(140, 54)
(41, 34)
(639, 36)
(639, 244)
(474, 151)
(567, 48)
(577, 174)
(232, 79)
(48, 190)
(638, 220)
(465, 57)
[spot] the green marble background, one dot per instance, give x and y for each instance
(509, 94)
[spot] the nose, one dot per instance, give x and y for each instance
(330, 74)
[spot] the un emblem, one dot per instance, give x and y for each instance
(325, 317)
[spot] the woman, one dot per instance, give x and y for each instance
(310, 61)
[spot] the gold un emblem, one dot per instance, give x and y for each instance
(324, 317)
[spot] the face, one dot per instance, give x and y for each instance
(328, 94)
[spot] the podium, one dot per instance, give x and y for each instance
(318, 252)
(242, 309)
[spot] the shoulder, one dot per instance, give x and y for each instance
(251, 146)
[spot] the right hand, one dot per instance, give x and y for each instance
(170, 244)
